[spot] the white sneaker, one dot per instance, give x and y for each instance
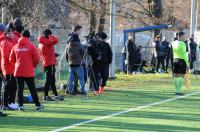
(13, 106)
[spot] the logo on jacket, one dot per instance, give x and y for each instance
(22, 50)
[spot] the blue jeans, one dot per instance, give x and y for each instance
(76, 73)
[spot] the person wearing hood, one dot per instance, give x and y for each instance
(74, 54)
(75, 34)
(24, 55)
(47, 41)
(10, 86)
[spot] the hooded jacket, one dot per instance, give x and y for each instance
(25, 57)
(75, 53)
(47, 51)
(5, 49)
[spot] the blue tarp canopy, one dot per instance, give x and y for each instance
(146, 28)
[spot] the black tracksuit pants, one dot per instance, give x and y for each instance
(101, 72)
(10, 89)
(31, 85)
(50, 80)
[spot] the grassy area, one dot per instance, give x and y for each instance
(126, 91)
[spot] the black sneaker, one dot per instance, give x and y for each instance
(179, 93)
(47, 98)
(2, 114)
(39, 108)
(59, 98)
(21, 108)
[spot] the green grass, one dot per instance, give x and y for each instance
(127, 91)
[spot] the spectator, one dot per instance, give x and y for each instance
(166, 52)
(130, 55)
(74, 55)
(10, 85)
(47, 41)
(102, 57)
(25, 57)
(193, 47)
(76, 31)
(160, 54)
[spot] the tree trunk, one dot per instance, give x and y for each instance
(102, 16)
(93, 20)
(157, 11)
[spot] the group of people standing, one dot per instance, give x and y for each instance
(90, 61)
(19, 57)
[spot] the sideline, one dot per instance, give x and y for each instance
(122, 112)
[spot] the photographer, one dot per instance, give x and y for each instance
(46, 47)
(102, 57)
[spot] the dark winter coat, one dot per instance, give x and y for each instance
(193, 47)
(131, 52)
(101, 53)
(75, 53)
(162, 48)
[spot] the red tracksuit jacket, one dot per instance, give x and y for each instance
(47, 51)
(25, 57)
(5, 49)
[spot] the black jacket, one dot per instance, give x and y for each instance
(101, 53)
(131, 52)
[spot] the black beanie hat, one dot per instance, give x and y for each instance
(47, 32)
(10, 26)
(26, 33)
(17, 22)
(19, 28)
(103, 35)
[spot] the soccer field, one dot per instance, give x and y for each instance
(142, 102)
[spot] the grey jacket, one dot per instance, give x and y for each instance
(75, 53)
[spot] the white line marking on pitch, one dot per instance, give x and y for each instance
(122, 112)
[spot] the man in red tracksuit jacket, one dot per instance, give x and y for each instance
(25, 57)
(47, 52)
(10, 86)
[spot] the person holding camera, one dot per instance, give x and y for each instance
(47, 41)
(102, 57)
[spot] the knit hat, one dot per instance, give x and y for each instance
(19, 28)
(103, 35)
(26, 33)
(2, 27)
(17, 22)
(10, 26)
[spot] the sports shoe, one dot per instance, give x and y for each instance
(96, 93)
(13, 106)
(101, 90)
(39, 108)
(7, 108)
(21, 108)
(179, 93)
(59, 97)
(47, 98)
